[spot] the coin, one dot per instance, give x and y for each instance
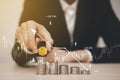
(42, 51)
(74, 70)
(53, 68)
(85, 72)
(63, 69)
(41, 65)
(41, 68)
(47, 68)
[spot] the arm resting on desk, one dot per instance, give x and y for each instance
(99, 55)
(106, 54)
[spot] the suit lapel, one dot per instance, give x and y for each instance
(59, 25)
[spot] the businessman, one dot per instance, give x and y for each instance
(74, 24)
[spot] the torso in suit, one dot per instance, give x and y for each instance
(94, 18)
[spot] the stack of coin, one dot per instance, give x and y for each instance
(53, 68)
(63, 69)
(47, 67)
(85, 72)
(74, 70)
(41, 65)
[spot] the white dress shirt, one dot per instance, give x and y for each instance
(70, 17)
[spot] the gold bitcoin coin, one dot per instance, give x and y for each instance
(42, 51)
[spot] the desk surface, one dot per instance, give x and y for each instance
(105, 71)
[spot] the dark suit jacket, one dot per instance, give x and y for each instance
(94, 18)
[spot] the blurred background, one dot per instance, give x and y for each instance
(10, 11)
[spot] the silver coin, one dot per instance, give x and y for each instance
(85, 72)
(47, 67)
(41, 65)
(63, 69)
(41, 59)
(41, 68)
(53, 68)
(74, 70)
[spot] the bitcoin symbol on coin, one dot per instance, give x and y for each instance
(42, 51)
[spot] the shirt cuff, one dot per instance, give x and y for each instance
(90, 57)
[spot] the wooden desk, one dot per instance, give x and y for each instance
(9, 71)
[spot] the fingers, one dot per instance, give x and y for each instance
(26, 36)
(45, 35)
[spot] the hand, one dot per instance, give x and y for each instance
(62, 56)
(26, 37)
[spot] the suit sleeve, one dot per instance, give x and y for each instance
(28, 11)
(20, 56)
(110, 31)
(103, 55)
